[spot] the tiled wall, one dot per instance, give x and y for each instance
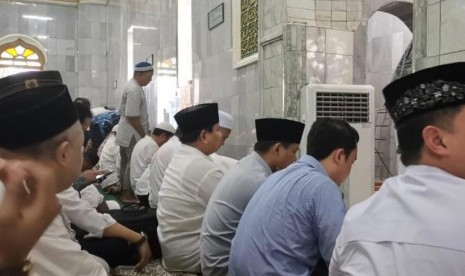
(334, 14)
(235, 90)
(387, 40)
(87, 44)
(295, 51)
(61, 42)
(438, 25)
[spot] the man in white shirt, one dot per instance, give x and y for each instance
(414, 224)
(273, 151)
(134, 122)
(49, 135)
(163, 156)
(187, 186)
(105, 237)
(160, 161)
(110, 159)
(142, 155)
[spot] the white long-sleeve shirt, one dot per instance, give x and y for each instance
(140, 160)
(82, 214)
(158, 166)
(414, 225)
(56, 254)
(187, 186)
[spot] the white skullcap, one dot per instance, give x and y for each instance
(226, 120)
(166, 127)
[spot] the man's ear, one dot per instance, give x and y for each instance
(276, 148)
(203, 136)
(433, 139)
(339, 155)
(63, 153)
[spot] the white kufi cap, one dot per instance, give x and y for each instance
(226, 120)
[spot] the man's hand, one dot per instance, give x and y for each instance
(29, 205)
(90, 175)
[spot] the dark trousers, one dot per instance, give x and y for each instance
(144, 200)
(114, 251)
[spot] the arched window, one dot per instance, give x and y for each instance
(19, 53)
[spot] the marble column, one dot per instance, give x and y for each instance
(302, 42)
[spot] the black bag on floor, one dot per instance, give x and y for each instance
(141, 220)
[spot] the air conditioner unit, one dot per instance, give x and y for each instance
(355, 105)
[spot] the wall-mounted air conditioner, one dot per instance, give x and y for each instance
(355, 105)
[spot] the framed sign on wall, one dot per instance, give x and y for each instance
(216, 16)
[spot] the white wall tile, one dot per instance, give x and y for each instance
(301, 4)
(339, 69)
(339, 42)
(432, 41)
(451, 25)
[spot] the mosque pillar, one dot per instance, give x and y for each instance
(302, 42)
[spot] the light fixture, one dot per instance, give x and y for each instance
(43, 36)
(36, 17)
(132, 27)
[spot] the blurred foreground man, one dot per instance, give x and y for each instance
(39, 124)
(414, 224)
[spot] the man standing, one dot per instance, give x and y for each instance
(134, 122)
(414, 224)
(273, 151)
(142, 155)
(187, 186)
(295, 216)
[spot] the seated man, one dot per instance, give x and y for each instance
(414, 224)
(187, 186)
(273, 151)
(293, 219)
(110, 159)
(106, 238)
(39, 123)
(158, 165)
(162, 157)
(141, 156)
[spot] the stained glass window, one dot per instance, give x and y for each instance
(249, 27)
(20, 54)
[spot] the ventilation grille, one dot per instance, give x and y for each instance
(350, 107)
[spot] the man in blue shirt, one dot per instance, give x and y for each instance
(295, 216)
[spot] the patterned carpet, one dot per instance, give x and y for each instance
(154, 268)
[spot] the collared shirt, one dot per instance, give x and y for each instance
(225, 209)
(158, 166)
(82, 214)
(56, 254)
(289, 224)
(140, 159)
(110, 160)
(133, 104)
(414, 225)
(187, 186)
